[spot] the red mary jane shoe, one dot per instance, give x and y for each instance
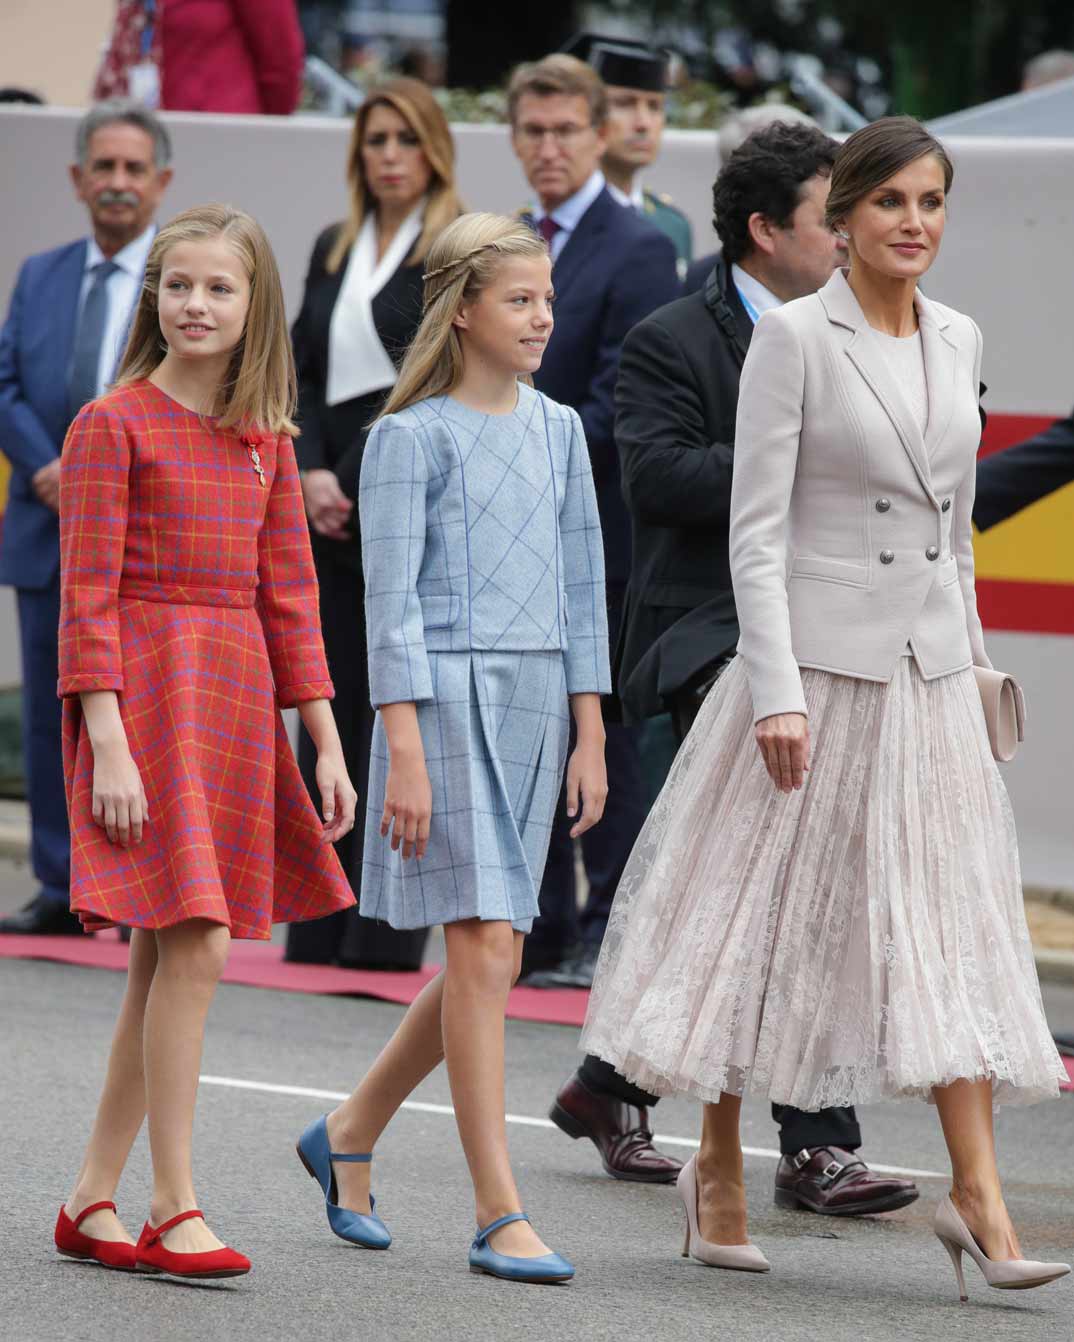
(152, 1256)
(71, 1242)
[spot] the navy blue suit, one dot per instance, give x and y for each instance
(35, 351)
(614, 270)
(1011, 480)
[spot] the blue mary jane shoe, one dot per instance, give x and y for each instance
(484, 1258)
(356, 1228)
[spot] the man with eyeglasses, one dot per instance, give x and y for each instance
(611, 268)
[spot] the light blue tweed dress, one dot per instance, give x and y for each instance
(485, 605)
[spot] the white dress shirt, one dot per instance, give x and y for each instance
(124, 286)
(635, 198)
(569, 214)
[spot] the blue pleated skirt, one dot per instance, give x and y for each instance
(495, 739)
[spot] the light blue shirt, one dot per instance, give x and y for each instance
(124, 286)
(755, 297)
(569, 215)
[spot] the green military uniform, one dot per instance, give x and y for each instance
(669, 219)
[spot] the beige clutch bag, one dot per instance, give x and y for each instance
(1004, 707)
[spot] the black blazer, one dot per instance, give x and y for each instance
(698, 272)
(614, 270)
(333, 436)
(676, 403)
(1011, 480)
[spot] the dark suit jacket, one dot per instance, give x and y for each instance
(614, 270)
(333, 436)
(1011, 480)
(676, 403)
(698, 272)
(35, 350)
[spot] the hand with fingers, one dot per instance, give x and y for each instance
(119, 801)
(327, 507)
(587, 780)
(783, 740)
(338, 797)
(408, 803)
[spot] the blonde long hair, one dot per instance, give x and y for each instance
(422, 113)
(259, 387)
(463, 261)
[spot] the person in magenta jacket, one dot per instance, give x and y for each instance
(206, 55)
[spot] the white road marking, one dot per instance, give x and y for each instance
(522, 1120)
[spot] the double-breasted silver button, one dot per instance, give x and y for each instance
(882, 505)
(887, 556)
(932, 552)
(945, 506)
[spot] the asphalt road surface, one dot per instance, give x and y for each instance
(274, 1060)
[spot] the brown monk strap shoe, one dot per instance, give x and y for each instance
(834, 1182)
(619, 1131)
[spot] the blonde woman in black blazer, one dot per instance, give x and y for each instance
(825, 905)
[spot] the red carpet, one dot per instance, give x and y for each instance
(260, 964)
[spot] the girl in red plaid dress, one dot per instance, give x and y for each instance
(189, 618)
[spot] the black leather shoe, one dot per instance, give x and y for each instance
(834, 1182)
(619, 1131)
(540, 960)
(576, 972)
(42, 918)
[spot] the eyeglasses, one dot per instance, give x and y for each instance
(563, 135)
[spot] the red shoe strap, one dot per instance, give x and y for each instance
(155, 1232)
(93, 1207)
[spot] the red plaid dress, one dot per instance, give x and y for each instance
(188, 588)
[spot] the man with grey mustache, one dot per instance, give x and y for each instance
(59, 348)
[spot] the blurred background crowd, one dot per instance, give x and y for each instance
(842, 60)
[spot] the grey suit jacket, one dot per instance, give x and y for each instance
(480, 532)
(850, 533)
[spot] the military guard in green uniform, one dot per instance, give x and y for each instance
(636, 79)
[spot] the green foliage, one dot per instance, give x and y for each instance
(695, 106)
(12, 782)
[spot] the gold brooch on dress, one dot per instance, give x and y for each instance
(253, 441)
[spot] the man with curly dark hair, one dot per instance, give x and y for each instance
(676, 402)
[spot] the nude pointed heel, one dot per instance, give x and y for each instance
(955, 1251)
(1009, 1274)
(734, 1257)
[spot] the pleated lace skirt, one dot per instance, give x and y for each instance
(859, 939)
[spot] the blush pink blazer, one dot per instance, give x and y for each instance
(850, 530)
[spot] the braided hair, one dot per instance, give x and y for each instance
(463, 261)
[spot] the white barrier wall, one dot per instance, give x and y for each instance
(1005, 260)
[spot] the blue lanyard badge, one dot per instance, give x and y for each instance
(751, 311)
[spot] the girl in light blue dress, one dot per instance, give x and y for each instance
(485, 611)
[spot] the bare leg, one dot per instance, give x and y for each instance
(190, 959)
(482, 964)
(965, 1109)
(122, 1104)
(721, 1186)
(413, 1051)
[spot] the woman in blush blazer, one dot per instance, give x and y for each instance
(825, 905)
(361, 308)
